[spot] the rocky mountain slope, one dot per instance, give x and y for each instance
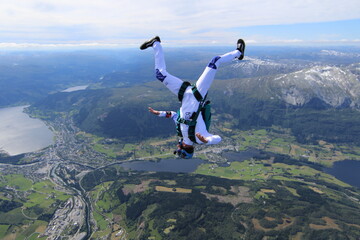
(337, 87)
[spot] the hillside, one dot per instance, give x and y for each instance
(29, 76)
(294, 202)
(117, 112)
(309, 101)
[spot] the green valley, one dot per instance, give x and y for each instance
(282, 118)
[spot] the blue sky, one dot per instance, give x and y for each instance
(127, 23)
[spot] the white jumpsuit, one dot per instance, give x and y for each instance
(189, 103)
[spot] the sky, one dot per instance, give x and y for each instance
(127, 23)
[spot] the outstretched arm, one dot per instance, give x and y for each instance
(154, 111)
(167, 114)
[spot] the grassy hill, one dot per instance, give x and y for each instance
(116, 112)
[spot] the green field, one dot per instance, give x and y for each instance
(262, 170)
(116, 149)
(33, 199)
(16, 181)
(3, 230)
(281, 141)
(102, 204)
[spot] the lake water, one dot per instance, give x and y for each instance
(76, 88)
(232, 156)
(347, 171)
(183, 165)
(21, 134)
(166, 165)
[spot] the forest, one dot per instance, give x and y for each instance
(220, 208)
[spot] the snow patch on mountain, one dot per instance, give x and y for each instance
(253, 67)
(338, 54)
(250, 61)
(333, 85)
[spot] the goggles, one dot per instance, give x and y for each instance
(182, 152)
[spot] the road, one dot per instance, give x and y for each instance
(68, 154)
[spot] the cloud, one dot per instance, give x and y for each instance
(51, 46)
(122, 21)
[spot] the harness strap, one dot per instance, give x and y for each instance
(182, 89)
(187, 122)
(191, 123)
(191, 131)
(178, 129)
(191, 134)
(197, 94)
(195, 91)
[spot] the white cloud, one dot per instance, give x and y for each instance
(119, 21)
(288, 41)
(50, 46)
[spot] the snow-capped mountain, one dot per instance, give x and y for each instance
(338, 53)
(333, 85)
(254, 67)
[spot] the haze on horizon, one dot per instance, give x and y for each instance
(126, 23)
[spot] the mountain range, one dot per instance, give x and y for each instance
(308, 97)
(335, 86)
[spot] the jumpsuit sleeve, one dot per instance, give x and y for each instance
(167, 114)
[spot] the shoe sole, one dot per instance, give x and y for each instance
(241, 48)
(149, 43)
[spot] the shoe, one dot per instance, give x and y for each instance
(150, 43)
(241, 48)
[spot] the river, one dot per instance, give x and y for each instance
(21, 134)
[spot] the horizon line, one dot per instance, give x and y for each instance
(97, 45)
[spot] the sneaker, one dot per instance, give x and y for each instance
(150, 43)
(241, 48)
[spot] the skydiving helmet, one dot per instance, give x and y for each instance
(181, 152)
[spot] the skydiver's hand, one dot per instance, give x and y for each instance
(153, 111)
(201, 137)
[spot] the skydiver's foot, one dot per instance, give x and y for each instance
(241, 48)
(150, 43)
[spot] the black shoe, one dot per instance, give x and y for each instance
(241, 48)
(150, 43)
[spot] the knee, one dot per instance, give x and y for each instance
(160, 75)
(212, 63)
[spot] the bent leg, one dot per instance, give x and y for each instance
(205, 80)
(171, 82)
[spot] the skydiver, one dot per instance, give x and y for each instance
(190, 124)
